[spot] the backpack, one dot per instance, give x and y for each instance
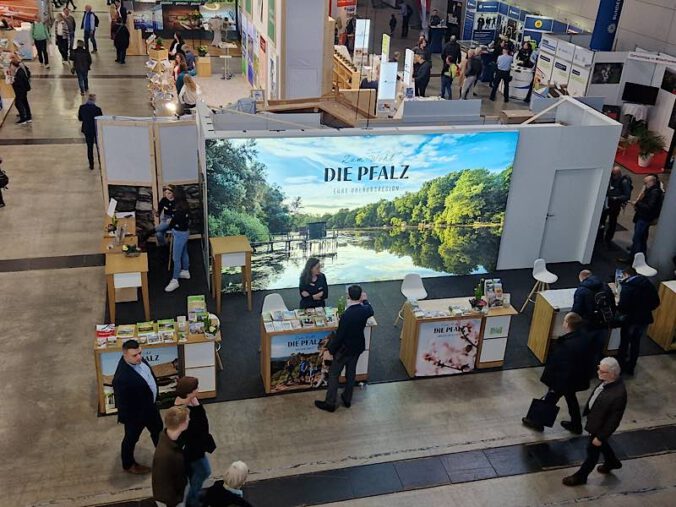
(603, 314)
(4, 179)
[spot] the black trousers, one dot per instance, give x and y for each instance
(41, 46)
(62, 44)
(630, 341)
(404, 26)
(553, 397)
(132, 432)
(501, 75)
(2, 202)
(610, 214)
(420, 89)
(91, 141)
(341, 361)
(121, 54)
(21, 103)
(593, 454)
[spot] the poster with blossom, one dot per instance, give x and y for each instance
(447, 347)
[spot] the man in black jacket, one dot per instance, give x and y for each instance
(87, 115)
(617, 196)
(648, 207)
(638, 299)
(452, 49)
(21, 86)
(135, 388)
(421, 75)
(585, 305)
(346, 348)
(121, 43)
(82, 62)
(604, 411)
(567, 372)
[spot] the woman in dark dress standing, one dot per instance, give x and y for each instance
(313, 287)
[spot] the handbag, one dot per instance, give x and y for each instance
(543, 412)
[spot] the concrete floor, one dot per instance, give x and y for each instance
(58, 452)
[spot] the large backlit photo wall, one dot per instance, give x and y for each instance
(371, 207)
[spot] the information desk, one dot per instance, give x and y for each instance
(551, 307)
(293, 359)
(434, 341)
(108, 244)
(663, 330)
(195, 356)
(124, 272)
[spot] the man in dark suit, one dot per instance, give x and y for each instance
(87, 115)
(346, 347)
(638, 299)
(604, 411)
(121, 11)
(567, 372)
(135, 388)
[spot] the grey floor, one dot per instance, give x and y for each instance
(57, 452)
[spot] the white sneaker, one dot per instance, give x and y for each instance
(173, 285)
(184, 274)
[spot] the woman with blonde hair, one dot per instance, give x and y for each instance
(189, 93)
(228, 492)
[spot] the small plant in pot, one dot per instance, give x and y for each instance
(202, 51)
(636, 129)
(648, 144)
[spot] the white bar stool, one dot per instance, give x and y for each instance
(413, 290)
(641, 266)
(543, 278)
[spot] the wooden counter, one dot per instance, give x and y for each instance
(301, 342)
(127, 272)
(663, 330)
(108, 244)
(551, 307)
(195, 357)
(449, 344)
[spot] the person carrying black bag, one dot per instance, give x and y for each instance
(21, 84)
(4, 180)
(566, 372)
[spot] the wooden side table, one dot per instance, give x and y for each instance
(231, 251)
(122, 272)
(204, 66)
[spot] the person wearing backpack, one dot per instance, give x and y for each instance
(638, 299)
(21, 85)
(595, 303)
(617, 197)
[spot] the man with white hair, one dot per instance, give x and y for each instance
(604, 411)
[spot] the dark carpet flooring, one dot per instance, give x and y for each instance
(240, 329)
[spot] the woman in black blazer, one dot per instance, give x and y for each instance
(313, 287)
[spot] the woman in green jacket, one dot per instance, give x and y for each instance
(41, 36)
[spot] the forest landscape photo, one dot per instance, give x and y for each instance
(370, 207)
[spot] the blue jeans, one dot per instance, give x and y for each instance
(161, 230)
(198, 472)
(83, 81)
(180, 252)
(90, 35)
(446, 83)
(639, 243)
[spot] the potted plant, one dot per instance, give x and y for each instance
(202, 51)
(648, 144)
(340, 306)
(636, 129)
(131, 250)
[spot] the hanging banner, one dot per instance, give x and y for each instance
(607, 19)
(468, 26)
(486, 22)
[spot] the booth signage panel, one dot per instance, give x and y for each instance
(561, 72)
(163, 361)
(549, 44)
(540, 23)
(362, 33)
(387, 89)
(659, 59)
(578, 80)
(468, 26)
(385, 49)
(294, 360)
(447, 347)
(408, 67)
(565, 51)
(486, 21)
(583, 57)
(544, 69)
(373, 192)
(605, 27)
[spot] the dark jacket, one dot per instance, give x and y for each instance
(168, 473)
(606, 414)
(121, 37)
(123, 14)
(133, 397)
(638, 299)
(583, 299)
(197, 440)
(21, 83)
(451, 49)
(82, 60)
(349, 337)
(649, 207)
(96, 20)
(619, 190)
(568, 363)
(320, 285)
(422, 74)
(475, 67)
(87, 115)
(218, 496)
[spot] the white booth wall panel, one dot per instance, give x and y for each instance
(127, 153)
(493, 350)
(205, 376)
(178, 152)
(659, 116)
(303, 62)
(528, 199)
(582, 147)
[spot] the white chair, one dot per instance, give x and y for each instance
(543, 278)
(642, 267)
(273, 303)
(413, 290)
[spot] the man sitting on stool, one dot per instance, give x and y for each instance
(567, 372)
(346, 347)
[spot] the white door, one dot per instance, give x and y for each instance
(571, 207)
